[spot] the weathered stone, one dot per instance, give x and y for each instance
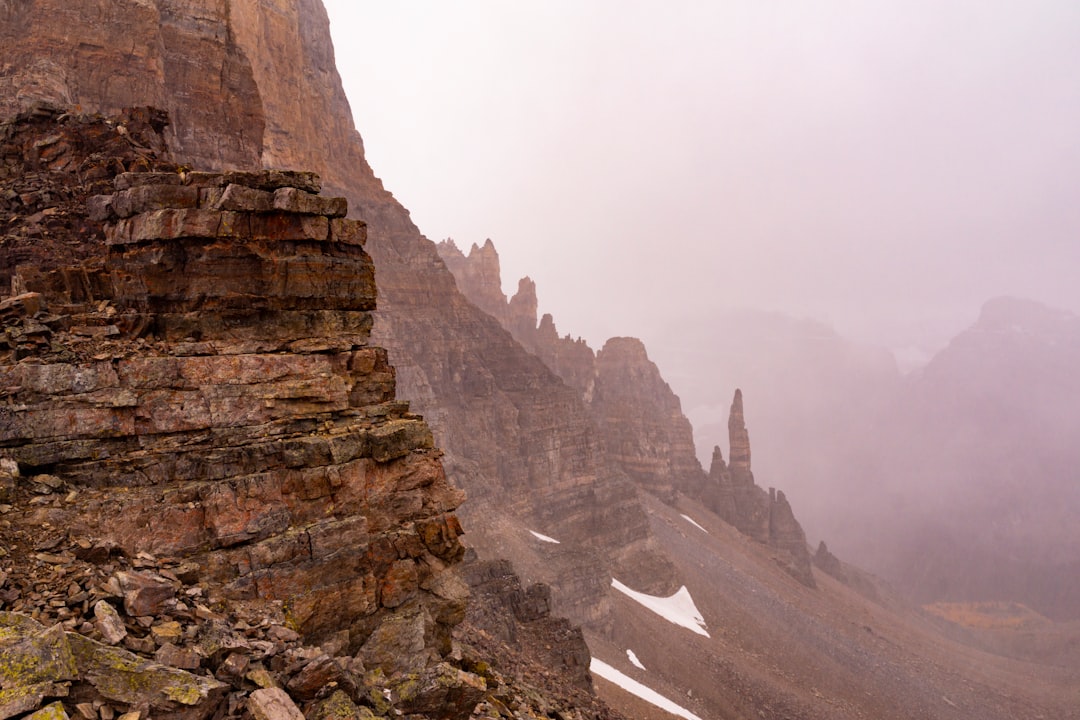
(99, 208)
(440, 690)
(183, 658)
(739, 439)
(340, 707)
(22, 699)
(239, 198)
(41, 657)
(234, 667)
(166, 633)
(398, 644)
(273, 704)
(348, 232)
(316, 678)
(146, 198)
(399, 437)
(26, 304)
(108, 622)
(52, 711)
(275, 179)
(829, 563)
(144, 593)
(399, 585)
(289, 199)
(124, 677)
(127, 180)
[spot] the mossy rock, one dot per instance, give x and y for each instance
(52, 711)
(339, 707)
(39, 657)
(124, 677)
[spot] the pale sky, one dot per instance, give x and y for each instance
(884, 166)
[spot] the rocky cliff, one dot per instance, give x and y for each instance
(643, 431)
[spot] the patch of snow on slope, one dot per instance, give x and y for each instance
(633, 659)
(678, 609)
(598, 667)
(545, 538)
(690, 520)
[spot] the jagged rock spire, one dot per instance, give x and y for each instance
(717, 468)
(739, 440)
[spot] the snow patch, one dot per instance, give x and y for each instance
(690, 520)
(633, 659)
(678, 609)
(598, 667)
(545, 538)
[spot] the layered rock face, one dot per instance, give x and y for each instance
(206, 389)
(644, 429)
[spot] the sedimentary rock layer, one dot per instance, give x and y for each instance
(208, 390)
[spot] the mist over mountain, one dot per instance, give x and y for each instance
(215, 473)
(955, 481)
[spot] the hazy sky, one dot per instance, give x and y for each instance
(882, 166)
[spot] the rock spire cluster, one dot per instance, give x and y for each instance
(640, 420)
(765, 516)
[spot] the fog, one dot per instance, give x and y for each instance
(882, 167)
(777, 197)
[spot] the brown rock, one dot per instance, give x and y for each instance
(739, 439)
(397, 644)
(829, 563)
(340, 707)
(234, 667)
(318, 677)
(183, 658)
(166, 632)
(146, 198)
(273, 704)
(19, 700)
(441, 690)
(145, 593)
(40, 657)
(293, 200)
